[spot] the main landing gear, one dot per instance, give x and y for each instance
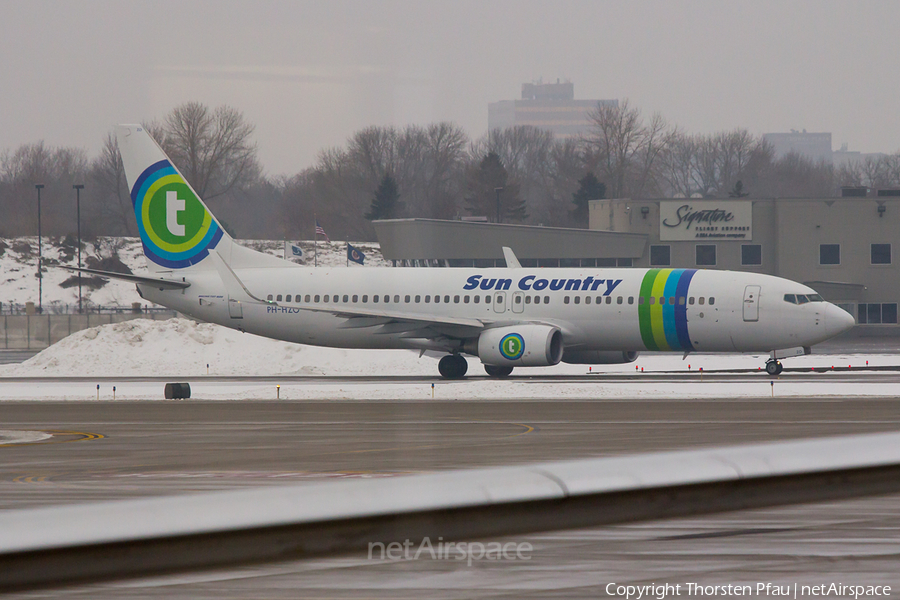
(497, 372)
(774, 367)
(453, 366)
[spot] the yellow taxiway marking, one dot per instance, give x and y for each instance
(77, 436)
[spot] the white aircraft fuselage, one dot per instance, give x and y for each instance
(602, 311)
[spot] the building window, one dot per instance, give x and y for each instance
(881, 254)
(874, 313)
(829, 254)
(624, 262)
(660, 256)
(751, 254)
(706, 255)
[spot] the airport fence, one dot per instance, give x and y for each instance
(38, 331)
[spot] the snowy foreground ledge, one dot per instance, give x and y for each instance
(181, 350)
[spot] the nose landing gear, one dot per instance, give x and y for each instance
(774, 367)
(453, 366)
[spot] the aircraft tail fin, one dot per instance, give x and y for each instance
(177, 229)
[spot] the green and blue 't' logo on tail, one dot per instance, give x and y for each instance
(176, 229)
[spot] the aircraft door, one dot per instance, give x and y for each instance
(518, 302)
(235, 311)
(499, 302)
(751, 303)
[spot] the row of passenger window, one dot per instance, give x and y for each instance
(672, 300)
(386, 298)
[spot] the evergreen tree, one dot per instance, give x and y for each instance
(589, 188)
(738, 190)
(481, 191)
(386, 204)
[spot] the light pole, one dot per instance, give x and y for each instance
(40, 274)
(78, 187)
(498, 190)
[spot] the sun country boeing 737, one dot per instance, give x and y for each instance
(512, 317)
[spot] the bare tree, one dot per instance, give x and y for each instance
(679, 165)
(212, 148)
(56, 168)
(625, 149)
(113, 198)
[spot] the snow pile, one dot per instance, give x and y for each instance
(142, 347)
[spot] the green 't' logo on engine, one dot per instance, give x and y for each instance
(512, 346)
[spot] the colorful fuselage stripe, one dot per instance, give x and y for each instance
(176, 229)
(663, 324)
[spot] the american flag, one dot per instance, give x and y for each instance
(320, 231)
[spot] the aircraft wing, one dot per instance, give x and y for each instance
(388, 316)
(44, 547)
(159, 282)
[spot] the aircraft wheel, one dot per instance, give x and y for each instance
(773, 367)
(453, 366)
(497, 372)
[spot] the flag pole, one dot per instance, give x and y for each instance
(316, 240)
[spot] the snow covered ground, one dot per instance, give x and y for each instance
(181, 350)
(18, 268)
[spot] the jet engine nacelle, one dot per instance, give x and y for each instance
(596, 357)
(521, 346)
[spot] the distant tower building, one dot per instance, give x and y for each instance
(814, 146)
(550, 106)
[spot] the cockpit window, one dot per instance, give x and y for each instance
(802, 299)
(790, 298)
(815, 298)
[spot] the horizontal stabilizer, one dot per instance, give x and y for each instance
(163, 284)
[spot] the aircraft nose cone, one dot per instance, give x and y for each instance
(837, 320)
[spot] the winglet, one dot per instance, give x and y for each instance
(511, 261)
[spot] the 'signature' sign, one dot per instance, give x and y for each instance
(705, 220)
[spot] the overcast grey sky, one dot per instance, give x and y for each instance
(309, 74)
